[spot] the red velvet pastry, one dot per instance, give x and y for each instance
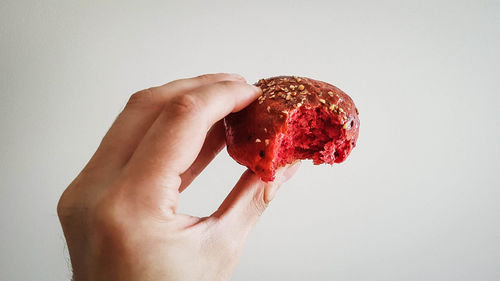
(295, 118)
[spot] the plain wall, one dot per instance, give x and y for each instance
(418, 199)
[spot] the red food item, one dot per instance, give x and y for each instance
(294, 118)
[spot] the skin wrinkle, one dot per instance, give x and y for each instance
(119, 216)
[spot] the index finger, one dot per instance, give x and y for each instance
(177, 135)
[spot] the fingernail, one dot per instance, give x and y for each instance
(257, 88)
(290, 170)
(283, 174)
(270, 191)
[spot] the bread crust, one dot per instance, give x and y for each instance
(252, 133)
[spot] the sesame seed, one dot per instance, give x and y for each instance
(288, 97)
(266, 141)
(257, 140)
(292, 87)
(261, 101)
(346, 125)
(330, 93)
(301, 87)
(265, 130)
(333, 107)
(268, 109)
(322, 101)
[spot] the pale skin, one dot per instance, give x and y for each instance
(119, 215)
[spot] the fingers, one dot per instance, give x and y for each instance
(177, 135)
(214, 143)
(249, 198)
(139, 114)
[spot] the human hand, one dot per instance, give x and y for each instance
(119, 215)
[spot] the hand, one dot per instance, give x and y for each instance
(119, 215)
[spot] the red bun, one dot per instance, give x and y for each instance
(295, 118)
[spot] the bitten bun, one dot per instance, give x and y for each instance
(294, 118)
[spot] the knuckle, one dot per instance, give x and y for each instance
(213, 77)
(205, 77)
(227, 84)
(184, 105)
(107, 217)
(110, 227)
(70, 206)
(63, 209)
(143, 97)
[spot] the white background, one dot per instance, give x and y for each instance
(418, 199)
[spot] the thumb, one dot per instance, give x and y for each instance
(250, 197)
